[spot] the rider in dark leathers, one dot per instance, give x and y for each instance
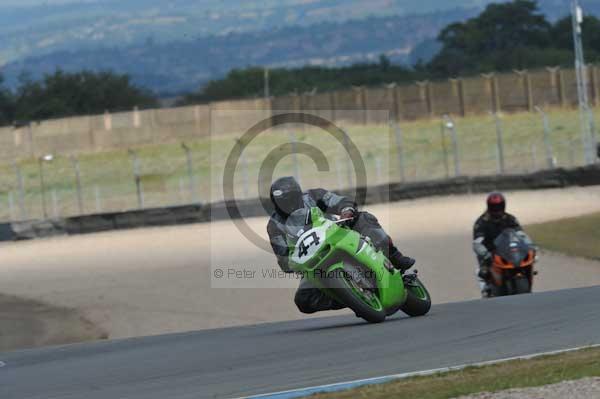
(485, 231)
(287, 196)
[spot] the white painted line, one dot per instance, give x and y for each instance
(2, 364)
(342, 386)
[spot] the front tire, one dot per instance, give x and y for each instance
(522, 286)
(496, 291)
(418, 301)
(348, 292)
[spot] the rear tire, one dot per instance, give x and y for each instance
(418, 301)
(345, 293)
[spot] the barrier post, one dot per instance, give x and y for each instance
(41, 160)
(452, 127)
(338, 169)
(21, 188)
(444, 149)
(547, 142)
(292, 138)
(534, 156)
(395, 126)
(379, 171)
(499, 143)
(98, 196)
(76, 169)
(11, 207)
(55, 204)
(190, 172)
(138, 180)
(244, 166)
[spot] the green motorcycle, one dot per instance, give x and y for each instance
(347, 267)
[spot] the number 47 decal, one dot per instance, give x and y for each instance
(307, 242)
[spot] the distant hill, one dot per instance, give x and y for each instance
(185, 65)
(176, 45)
(35, 27)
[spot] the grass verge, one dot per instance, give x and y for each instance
(108, 182)
(514, 374)
(579, 236)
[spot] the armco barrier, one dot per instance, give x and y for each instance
(6, 232)
(557, 178)
(135, 219)
(38, 229)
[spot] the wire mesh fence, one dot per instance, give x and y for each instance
(57, 185)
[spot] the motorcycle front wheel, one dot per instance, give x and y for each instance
(364, 302)
(522, 286)
(418, 301)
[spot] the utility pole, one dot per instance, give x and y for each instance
(588, 129)
(267, 84)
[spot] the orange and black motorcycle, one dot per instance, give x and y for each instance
(513, 264)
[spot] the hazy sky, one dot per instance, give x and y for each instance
(22, 3)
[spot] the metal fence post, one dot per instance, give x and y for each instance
(499, 143)
(292, 138)
(399, 149)
(444, 149)
(11, 207)
(41, 160)
(180, 196)
(547, 142)
(571, 153)
(55, 204)
(338, 169)
(98, 196)
(190, 170)
(138, 180)
(349, 166)
(75, 163)
(451, 125)
(21, 188)
(244, 166)
(534, 156)
(378, 169)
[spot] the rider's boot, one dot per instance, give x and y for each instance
(484, 276)
(399, 261)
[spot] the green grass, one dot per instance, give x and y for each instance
(514, 374)
(579, 236)
(427, 155)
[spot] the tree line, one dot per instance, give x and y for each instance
(503, 37)
(68, 94)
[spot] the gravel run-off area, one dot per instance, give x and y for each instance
(588, 388)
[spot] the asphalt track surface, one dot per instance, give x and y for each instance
(266, 358)
(160, 281)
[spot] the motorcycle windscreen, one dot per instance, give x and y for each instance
(298, 223)
(511, 247)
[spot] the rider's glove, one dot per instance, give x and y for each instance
(348, 213)
(487, 260)
(406, 262)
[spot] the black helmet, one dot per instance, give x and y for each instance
(286, 195)
(496, 205)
